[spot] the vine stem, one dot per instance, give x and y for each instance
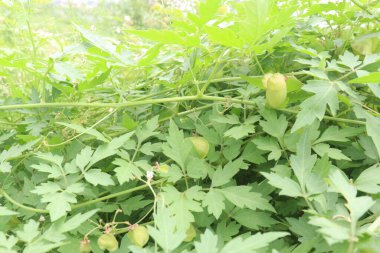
(28, 208)
(86, 203)
(159, 101)
(365, 9)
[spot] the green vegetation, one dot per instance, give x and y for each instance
(235, 126)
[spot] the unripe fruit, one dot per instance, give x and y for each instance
(85, 246)
(190, 233)
(223, 9)
(108, 242)
(139, 236)
(163, 168)
(276, 89)
(201, 146)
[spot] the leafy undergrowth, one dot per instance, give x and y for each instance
(247, 126)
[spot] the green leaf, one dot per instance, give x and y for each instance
(269, 144)
(332, 231)
(207, 10)
(349, 59)
(165, 233)
(241, 196)
(97, 41)
(197, 168)
(252, 243)
(214, 201)
(168, 37)
(6, 212)
(315, 106)
(96, 176)
(253, 219)
(208, 243)
(177, 148)
(240, 131)
(126, 171)
(143, 133)
(226, 230)
(75, 221)
(182, 204)
(68, 70)
(109, 149)
(333, 133)
(273, 125)
(58, 203)
(224, 36)
(287, 186)
(369, 181)
(7, 243)
(373, 77)
(303, 162)
(29, 231)
(341, 184)
(324, 149)
(81, 130)
(84, 157)
(223, 176)
(372, 126)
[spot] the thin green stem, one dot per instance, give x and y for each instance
(258, 63)
(116, 194)
(162, 100)
(365, 9)
(90, 202)
(28, 208)
(349, 121)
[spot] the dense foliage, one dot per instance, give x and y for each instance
(238, 126)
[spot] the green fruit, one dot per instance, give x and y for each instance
(366, 44)
(223, 9)
(163, 168)
(276, 90)
(201, 146)
(85, 246)
(190, 233)
(139, 236)
(108, 242)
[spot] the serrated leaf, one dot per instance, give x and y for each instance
(303, 162)
(241, 196)
(240, 131)
(287, 186)
(324, 149)
(177, 148)
(223, 176)
(273, 125)
(315, 106)
(182, 204)
(333, 231)
(75, 221)
(84, 157)
(373, 77)
(253, 219)
(147, 130)
(82, 130)
(6, 212)
(165, 232)
(252, 243)
(214, 201)
(58, 203)
(96, 176)
(208, 243)
(333, 133)
(269, 144)
(29, 231)
(126, 171)
(369, 180)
